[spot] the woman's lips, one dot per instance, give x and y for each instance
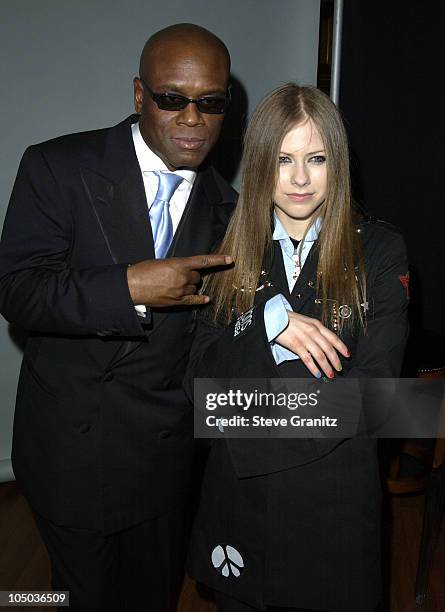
(299, 197)
(189, 144)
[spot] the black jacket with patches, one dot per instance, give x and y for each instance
(303, 513)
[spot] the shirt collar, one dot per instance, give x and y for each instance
(149, 161)
(280, 233)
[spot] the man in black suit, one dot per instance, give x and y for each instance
(103, 433)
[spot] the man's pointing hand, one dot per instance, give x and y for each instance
(171, 282)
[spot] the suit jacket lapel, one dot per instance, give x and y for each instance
(277, 271)
(306, 286)
(117, 196)
(204, 221)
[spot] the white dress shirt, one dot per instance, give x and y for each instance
(148, 163)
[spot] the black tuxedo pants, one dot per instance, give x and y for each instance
(139, 569)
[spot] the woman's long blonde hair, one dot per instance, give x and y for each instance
(340, 273)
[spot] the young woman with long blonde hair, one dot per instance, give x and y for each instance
(315, 291)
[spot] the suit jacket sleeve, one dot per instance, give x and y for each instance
(227, 351)
(381, 345)
(39, 289)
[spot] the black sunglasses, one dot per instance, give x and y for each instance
(213, 105)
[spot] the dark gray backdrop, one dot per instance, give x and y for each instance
(69, 66)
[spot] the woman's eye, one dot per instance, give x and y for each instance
(284, 159)
(318, 159)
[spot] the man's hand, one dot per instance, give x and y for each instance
(171, 282)
(313, 342)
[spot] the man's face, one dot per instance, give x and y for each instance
(183, 138)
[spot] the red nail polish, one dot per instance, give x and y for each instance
(331, 374)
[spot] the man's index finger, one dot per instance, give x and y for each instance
(198, 262)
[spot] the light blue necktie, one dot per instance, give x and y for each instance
(160, 218)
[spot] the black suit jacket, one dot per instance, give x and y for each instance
(102, 431)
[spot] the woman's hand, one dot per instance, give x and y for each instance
(313, 343)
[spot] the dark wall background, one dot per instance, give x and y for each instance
(392, 98)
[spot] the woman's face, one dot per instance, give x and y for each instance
(302, 179)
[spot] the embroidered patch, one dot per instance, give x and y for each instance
(243, 322)
(404, 279)
(227, 561)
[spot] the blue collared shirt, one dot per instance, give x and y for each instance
(276, 318)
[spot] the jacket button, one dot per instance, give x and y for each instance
(85, 428)
(109, 376)
(164, 434)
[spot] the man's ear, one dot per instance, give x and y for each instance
(138, 90)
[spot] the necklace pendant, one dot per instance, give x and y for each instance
(297, 268)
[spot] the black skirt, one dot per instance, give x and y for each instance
(305, 537)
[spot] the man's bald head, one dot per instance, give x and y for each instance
(186, 35)
(187, 62)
